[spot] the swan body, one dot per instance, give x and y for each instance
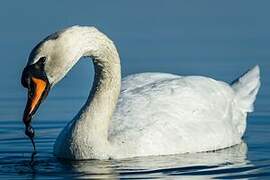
(170, 114)
(143, 114)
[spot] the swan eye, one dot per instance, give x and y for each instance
(41, 61)
(36, 70)
(39, 65)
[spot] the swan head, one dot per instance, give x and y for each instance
(50, 61)
(52, 58)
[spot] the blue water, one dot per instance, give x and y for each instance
(220, 39)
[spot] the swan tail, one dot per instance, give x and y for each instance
(246, 88)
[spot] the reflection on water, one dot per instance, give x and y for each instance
(230, 161)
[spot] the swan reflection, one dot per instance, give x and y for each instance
(200, 164)
(159, 166)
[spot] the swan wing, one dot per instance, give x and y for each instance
(187, 114)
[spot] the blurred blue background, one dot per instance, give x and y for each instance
(220, 39)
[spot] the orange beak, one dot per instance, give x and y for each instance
(36, 93)
(35, 80)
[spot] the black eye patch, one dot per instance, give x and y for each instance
(33, 70)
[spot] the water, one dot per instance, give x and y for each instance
(240, 161)
(210, 38)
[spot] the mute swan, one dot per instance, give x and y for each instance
(144, 114)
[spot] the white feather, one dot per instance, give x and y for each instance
(246, 88)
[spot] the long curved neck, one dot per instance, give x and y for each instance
(94, 117)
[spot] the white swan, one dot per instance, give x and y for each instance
(145, 114)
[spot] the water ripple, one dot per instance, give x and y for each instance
(238, 162)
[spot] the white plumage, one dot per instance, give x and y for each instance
(160, 113)
(152, 113)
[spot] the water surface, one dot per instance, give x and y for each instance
(249, 159)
